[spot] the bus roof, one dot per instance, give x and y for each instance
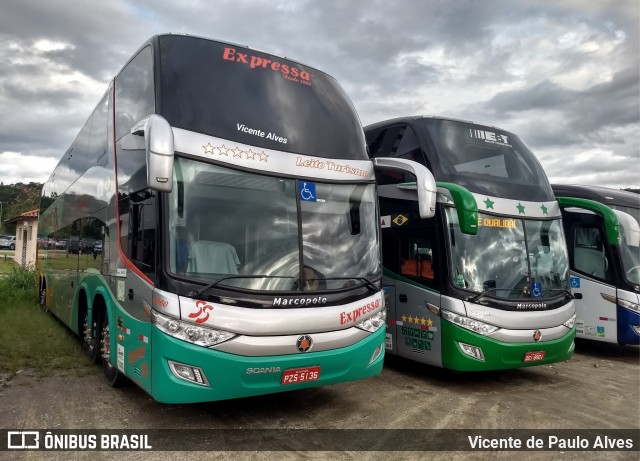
(151, 41)
(412, 118)
(599, 194)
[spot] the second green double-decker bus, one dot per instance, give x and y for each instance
(483, 284)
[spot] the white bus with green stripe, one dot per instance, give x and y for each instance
(236, 207)
(484, 284)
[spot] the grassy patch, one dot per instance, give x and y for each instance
(6, 264)
(30, 338)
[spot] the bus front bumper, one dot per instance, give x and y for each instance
(229, 376)
(498, 355)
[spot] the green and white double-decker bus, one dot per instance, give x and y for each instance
(216, 227)
(484, 284)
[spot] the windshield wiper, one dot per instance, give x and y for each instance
(566, 292)
(365, 281)
(479, 296)
(195, 294)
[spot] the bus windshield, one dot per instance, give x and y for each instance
(256, 232)
(255, 98)
(486, 160)
(629, 242)
(509, 257)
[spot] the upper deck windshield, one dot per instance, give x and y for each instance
(254, 232)
(509, 258)
(485, 160)
(255, 98)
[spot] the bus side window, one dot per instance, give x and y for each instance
(416, 257)
(589, 252)
(417, 260)
(138, 230)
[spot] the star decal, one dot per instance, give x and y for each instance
(489, 204)
(429, 322)
(520, 208)
(423, 321)
(250, 154)
(544, 209)
(208, 149)
(410, 319)
(404, 318)
(223, 150)
(237, 152)
(263, 156)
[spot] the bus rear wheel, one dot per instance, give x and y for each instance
(42, 299)
(91, 339)
(111, 373)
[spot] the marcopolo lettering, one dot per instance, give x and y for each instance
(299, 301)
(360, 311)
(255, 62)
(532, 306)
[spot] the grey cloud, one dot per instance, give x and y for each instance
(358, 42)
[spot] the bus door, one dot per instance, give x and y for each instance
(414, 326)
(593, 283)
(417, 327)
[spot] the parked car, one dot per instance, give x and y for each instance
(8, 241)
(61, 245)
(73, 245)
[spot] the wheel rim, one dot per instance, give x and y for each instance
(88, 334)
(106, 345)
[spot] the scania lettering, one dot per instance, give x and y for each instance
(220, 253)
(263, 370)
(603, 234)
(484, 284)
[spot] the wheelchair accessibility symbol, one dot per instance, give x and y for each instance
(575, 282)
(307, 191)
(537, 290)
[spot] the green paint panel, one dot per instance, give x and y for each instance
(137, 352)
(611, 224)
(227, 373)
(498, 355)
(466, 207)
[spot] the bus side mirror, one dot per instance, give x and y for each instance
(159, 149)
(630, 228)
(425, 182)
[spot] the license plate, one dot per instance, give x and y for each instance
(534, 356)
(300, 375)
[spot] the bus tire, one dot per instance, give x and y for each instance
(112, 374)
(91, 338)
(42, 299)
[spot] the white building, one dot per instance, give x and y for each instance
(26, 238)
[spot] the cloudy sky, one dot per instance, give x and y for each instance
(564, 75)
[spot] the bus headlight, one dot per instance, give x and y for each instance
(571, 322)
(470, 324)
(189, 332)
(374, 322)
(629, 305)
